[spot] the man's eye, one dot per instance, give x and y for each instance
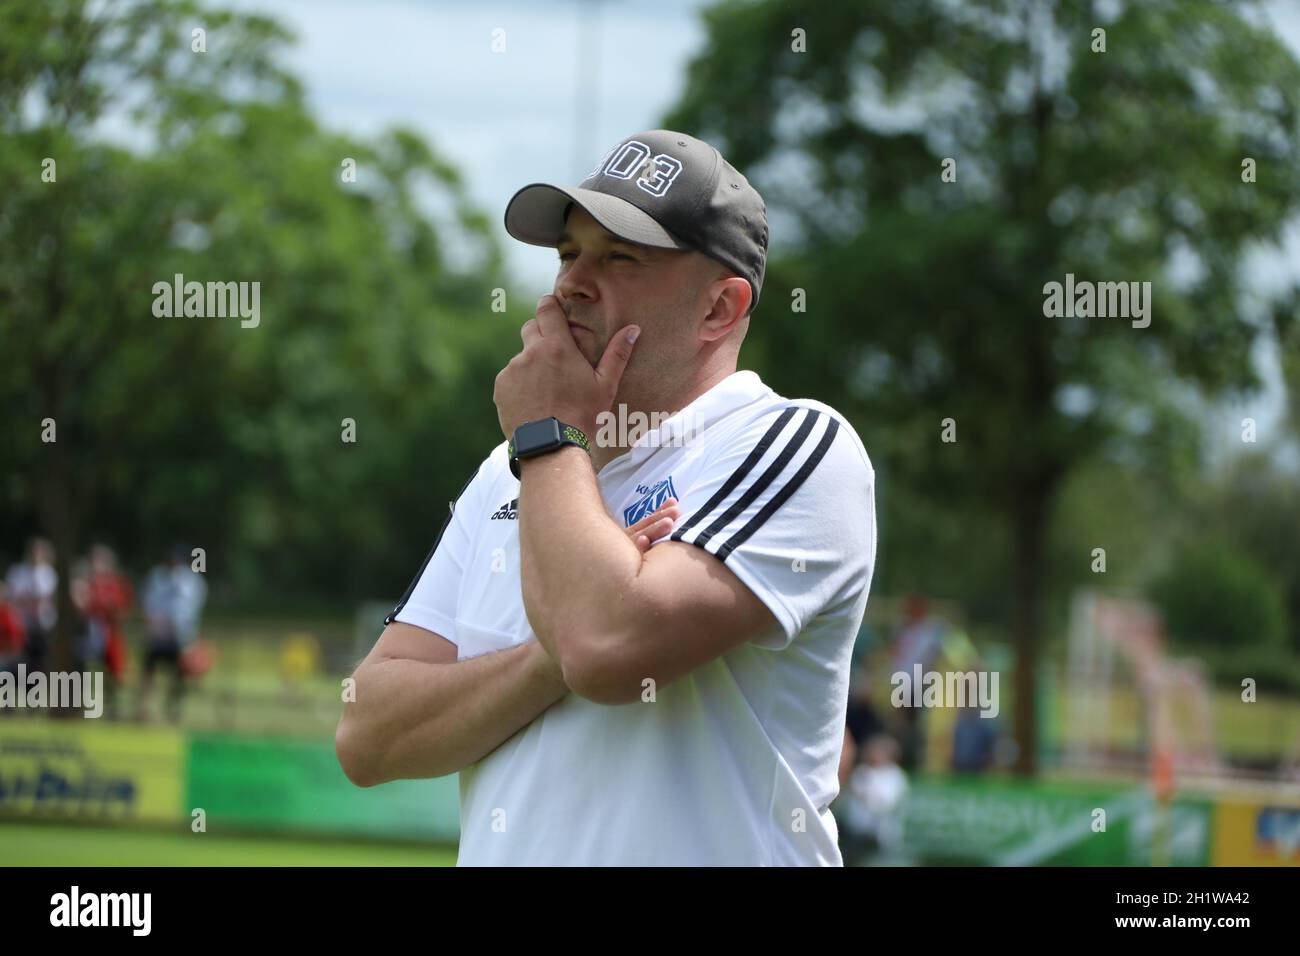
(565, 255)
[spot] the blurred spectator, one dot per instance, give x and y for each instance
(13, 636)
(172, 602)
(974, 740)
(109, 597)
(873, 818)
(862, 720)
(918, 641)
(32, 585)
(87, 648)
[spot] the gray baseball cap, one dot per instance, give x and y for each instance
(658, 188)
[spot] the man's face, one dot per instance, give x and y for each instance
(605, 283)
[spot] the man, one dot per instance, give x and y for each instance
(13, 635)
(32, 588)
(109, 597)
(172, 602)
(668, 700)
(919, 642)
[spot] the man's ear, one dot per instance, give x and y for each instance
(730, 296)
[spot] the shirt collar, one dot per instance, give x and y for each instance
(685, 425)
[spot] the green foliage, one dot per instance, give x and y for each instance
(1215, 595)
(925, 297)
(1273, 669)
(197, 429)
(1257, 506)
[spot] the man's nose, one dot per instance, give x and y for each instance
(577, 280)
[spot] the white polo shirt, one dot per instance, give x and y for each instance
(736, 763)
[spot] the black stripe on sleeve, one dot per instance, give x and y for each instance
(428, 557)
(758, 487)
(769, 509)
(738, 475)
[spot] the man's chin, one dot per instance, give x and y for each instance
(590, 353)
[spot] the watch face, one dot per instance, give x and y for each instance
(534, 437)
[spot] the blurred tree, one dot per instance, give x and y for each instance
(201, 430)
(1216, 595)
(926, 292)
(1254, 506)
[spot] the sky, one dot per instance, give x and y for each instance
(513, 118)
(505, 120)
(508, 119)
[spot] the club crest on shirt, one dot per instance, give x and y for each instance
(653, 496)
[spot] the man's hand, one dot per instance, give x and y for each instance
(550, 377)
(654, 526)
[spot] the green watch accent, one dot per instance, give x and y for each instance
(540, 437)
(576, 436)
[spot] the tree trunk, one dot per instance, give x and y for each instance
(1029, 513)
(53, 477)
(59, 516)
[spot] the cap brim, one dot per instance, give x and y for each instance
(535, 215)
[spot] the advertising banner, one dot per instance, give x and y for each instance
(297, 785)
(983, 821)
(1257, 831)
(90, 771)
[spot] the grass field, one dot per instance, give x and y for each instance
(50, 845)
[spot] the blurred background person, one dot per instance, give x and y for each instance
(108, 598)
(918, 641)
(32, 584)
(87, 641)
(974, 740)
(861, 718)
(172, 602)
(872, 817)
(13, 637)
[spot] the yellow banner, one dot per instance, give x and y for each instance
(1256, 832)
(91, 771)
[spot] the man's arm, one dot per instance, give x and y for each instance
(609, 613)
(611, 616)
(420, 713)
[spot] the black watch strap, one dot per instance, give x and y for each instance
(541, 437)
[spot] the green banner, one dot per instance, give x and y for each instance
(994, 821)
(297, 785)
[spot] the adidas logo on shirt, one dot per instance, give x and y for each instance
(507, 512)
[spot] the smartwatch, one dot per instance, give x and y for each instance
(540, 437)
